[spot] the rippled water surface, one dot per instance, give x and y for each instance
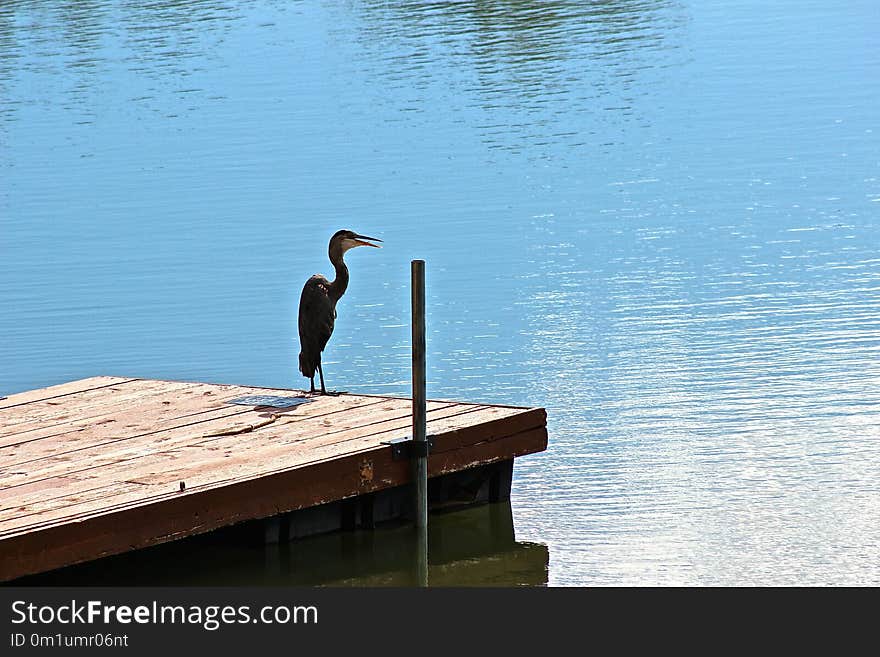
(659, 220)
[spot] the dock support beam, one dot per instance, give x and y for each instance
(419, 413)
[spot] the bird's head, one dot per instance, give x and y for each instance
(343, 240)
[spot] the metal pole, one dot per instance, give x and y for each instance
(419, 427)
(419, 414)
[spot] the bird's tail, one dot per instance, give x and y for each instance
(306, 366)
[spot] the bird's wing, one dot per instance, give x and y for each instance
(317, 315)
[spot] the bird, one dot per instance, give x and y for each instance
(317, 305)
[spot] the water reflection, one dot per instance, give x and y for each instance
(75, 49)
(469, 547)
(527, 70)
(530, 67)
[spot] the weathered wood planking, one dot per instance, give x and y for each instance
(94, 467)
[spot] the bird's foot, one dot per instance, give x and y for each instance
(332, 393)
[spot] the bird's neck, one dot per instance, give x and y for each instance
(340, 283)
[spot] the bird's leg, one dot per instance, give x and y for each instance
(324, 391)
(321, 372)
(312, 379)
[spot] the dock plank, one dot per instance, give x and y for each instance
(144, 432)
(61, 390)
(80, 404)
(98, 473)
(98, 394)
(71, 413)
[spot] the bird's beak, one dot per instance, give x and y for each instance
(359, 239)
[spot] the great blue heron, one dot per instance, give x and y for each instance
(317, 305)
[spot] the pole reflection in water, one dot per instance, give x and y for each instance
(467, 547)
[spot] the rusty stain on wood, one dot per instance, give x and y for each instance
(106, 465)
(366, 472)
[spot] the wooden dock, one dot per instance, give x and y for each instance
(106, 465)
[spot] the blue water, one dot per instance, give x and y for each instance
(659, 220)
